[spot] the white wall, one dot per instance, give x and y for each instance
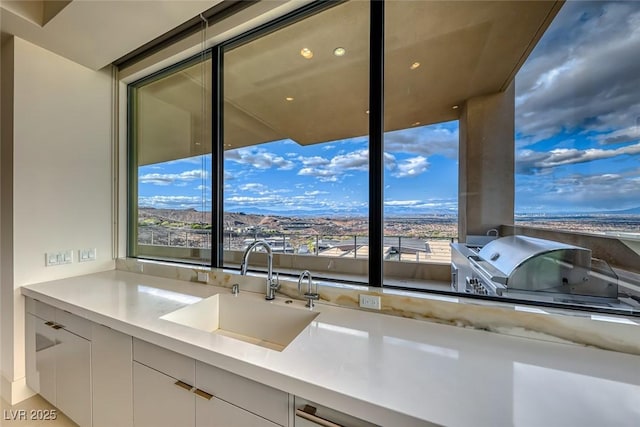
(61, 182)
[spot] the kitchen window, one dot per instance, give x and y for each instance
(296, 140)
(170, 164)
(365, 140)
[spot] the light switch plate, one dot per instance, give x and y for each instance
(203, 276)
(58, 258)
(87, 254)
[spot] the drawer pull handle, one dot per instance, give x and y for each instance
(57, 327)
(203, 394)
(315, 419)
(183, 385)
(49, 323)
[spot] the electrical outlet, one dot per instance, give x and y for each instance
(203, 276)
(370, 301)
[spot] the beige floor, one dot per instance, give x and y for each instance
(25, 414)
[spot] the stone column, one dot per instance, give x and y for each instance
(486, 163)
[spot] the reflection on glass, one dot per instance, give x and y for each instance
(172, 137)
(421, 134)
(295, 137)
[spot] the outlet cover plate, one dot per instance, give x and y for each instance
(372, 302)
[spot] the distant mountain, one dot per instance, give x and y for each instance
(632, 211)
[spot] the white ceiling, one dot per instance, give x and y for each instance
(95, 33)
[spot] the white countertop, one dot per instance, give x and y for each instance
(385, 369)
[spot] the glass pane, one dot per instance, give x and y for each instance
(420, 141)
(296, 143)
(172, 122)
(578, 161)
(577, 128)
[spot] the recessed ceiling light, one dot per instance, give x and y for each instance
(306, 53)
(339, 51)
(415, 123)
(455, 107)
(288, 98)
(414, 65)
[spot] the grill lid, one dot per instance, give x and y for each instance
(506, 254)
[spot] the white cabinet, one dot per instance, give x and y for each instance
(159, 401)
(237, 401)
(73, 377)
(41, 361)
(112, 377)
(218, 413)
(59, 359)
(171, 389)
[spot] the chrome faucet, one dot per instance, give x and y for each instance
(309, 295)
(272, 284)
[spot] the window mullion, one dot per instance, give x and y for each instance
(376, 146)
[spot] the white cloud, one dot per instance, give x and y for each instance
(258, 158)
(324, 175)
(413, 166)
(402, 202)
(253, 186)
(174, 202)
(170, 178)
(313, 161)
(439, 139)
(530, 162)
(591, 81)
(315, 193)
(599, 192)
(329, 170)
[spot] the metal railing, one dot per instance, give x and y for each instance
(426, 248)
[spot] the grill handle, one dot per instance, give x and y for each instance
(496, 276)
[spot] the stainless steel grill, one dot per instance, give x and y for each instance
(529, 267)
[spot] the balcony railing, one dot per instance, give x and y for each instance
(396, 248)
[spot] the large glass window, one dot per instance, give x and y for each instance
(578, 123)
(170, 164)
(421, 137)
(296, 148)
(486, 105)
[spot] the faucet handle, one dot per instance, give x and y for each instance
(275, 282)
(309, 294)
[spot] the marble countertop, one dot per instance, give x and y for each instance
(385, 369)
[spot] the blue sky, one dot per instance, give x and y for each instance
(577, 141)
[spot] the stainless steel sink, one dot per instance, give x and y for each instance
(242, 317)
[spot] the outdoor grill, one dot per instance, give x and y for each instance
(522, 267)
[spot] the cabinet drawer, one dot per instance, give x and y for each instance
(41, 310)
(158, 402)
(74, 324)
(218, 413)
(260, 399)
(169, 362)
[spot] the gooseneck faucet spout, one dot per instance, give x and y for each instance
(272, 285)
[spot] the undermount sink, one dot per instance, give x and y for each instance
(256, 321)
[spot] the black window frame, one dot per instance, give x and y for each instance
(376, 153)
